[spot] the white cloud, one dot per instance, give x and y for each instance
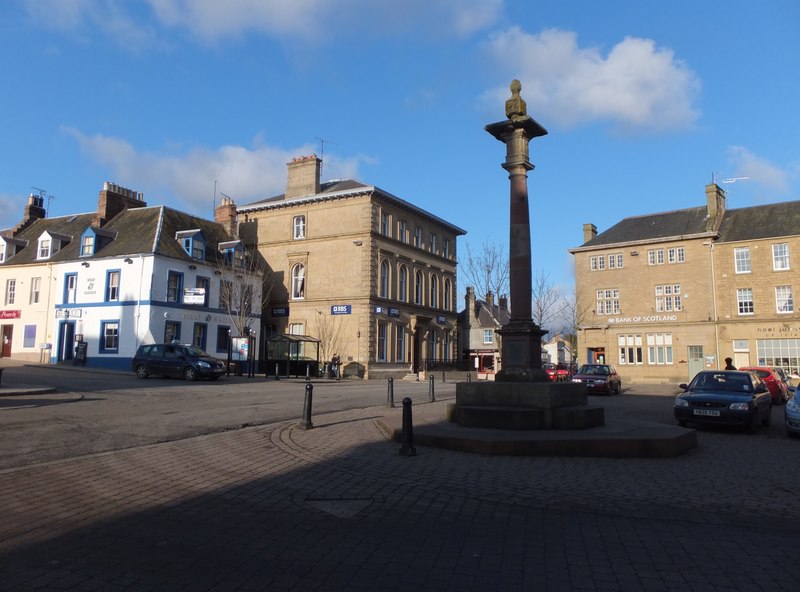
(637, 86)
(245, 174)
(760, 170)
(294, 21)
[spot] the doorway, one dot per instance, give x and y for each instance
(66, 341)
(8, 333)
(696, 360)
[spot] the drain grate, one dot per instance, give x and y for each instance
(340, 507)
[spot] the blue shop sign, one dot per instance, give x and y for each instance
(394, 312)
(441, 320)
(338, 309)
(281, 311)
(379, 310)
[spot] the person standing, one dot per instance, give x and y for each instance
(729, 364)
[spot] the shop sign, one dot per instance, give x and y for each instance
(281, 311)
(441, 320)
(783, 331)
(194, 296)
(10, 314)
(394, 312)
(643, 319)
(341, 309)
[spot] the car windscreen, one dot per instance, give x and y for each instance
(722, 381)
(193, 351)
(593, 370)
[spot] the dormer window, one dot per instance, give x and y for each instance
(10, 247)
(94, 239)
(193, 243)
(44, 248)
(87, 245)
(232, 253)
(50, 243)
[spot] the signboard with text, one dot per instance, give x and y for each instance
(341, 309)
(280, 311)
(10, 314)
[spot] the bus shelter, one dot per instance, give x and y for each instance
(293, 355)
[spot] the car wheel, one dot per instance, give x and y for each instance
(682, 423)
(142, 371)
(619, 387)
(189, 373)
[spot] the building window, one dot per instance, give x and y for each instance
(298, 227)
(112, 286)
(615, 261)
(741, 256)
(402, 284)
(780, 257)
(676, 255)
(744, 299)
(488, 336)
(668, 298)
(172, 331)
(296, 329)
(655, 257)
(226, 295)
(402, 231)
(779, 353)
(70, 288)
(659, 348)
(384, 224)
(87, 245)
(29, 336)
(174, 286)
(298, 281)
(11, 291)
(607, 301)
(109, 341)
(446, 347)
(199, 335)
(446, 248)
(381, 342)
(384, 283)
(36, 284)
(205, 284)
(223, 336)
(418, 237)
(432, 344)
(783, 299)
(446, 302)
(44, 248)
(630, 349)
(433, 242)
(400, 352)
(418, 287)
(434, 300)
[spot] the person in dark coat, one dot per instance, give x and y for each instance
(729, 364)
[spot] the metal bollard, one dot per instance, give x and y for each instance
(407, 449)
(469, 377)
(306, 422)
(442, 375)
(308, 372)
(431, 396)
(390, 393)
(277, 373)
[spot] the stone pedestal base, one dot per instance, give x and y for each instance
(525, 406)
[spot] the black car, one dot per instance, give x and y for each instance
(176, 359)
(599, 378)
(725, 397)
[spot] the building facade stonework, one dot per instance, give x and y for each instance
(663, 296)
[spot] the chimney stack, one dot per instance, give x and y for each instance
(303, 176)
(490, 301)
(225, 214)
(589, 232)
(33, 211)
(502, 302)
(114, 199)
(469, 304)
(715, 205)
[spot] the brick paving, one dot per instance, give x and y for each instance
(336, 508)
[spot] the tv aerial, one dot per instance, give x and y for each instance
(42, 194)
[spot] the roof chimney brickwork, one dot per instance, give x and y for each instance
(33, 211)
(715, 204)
(225, 214)
(303, 176)
(589, 232)
(114, 199)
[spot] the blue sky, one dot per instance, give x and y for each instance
(644, 102)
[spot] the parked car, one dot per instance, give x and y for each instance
(556, 372)
(176, 359)
(791, 417)
(599, 378)
(727, 397)
(777, 387)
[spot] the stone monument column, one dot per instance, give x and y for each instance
(521, 348)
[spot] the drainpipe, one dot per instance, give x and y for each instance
(714, 300)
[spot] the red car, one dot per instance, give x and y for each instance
(777, 388)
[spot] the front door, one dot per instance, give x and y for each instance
(66, 340)
(8, 332)
(696, 360)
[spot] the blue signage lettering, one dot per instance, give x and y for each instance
(341, 309)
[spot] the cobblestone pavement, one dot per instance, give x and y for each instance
(336, 508)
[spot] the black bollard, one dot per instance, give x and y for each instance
(277, 375)
(442, 375)
(431, 396)
(390, 393)
(306, 422)
(469, 377)
(308, 372)
(407, 449)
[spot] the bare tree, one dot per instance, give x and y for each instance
(575, 314)
(547, 301)
(487, 269)
(244, 284)
(330, 334)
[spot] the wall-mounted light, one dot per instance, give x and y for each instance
(85, 264)
(128, 260)
(358, 243)
(193, 267)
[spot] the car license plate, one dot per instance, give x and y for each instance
(711, 412)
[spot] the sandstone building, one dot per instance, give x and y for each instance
(662, 296)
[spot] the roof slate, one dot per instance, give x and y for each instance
(652, 226)
(767, 221)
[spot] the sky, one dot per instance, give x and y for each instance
(645, 103)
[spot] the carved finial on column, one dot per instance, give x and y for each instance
(516, 108)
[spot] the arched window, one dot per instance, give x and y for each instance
(402, 284)
(299, 281)
(446, 303)
(418, 287)
(384, 286)
(434, 300)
